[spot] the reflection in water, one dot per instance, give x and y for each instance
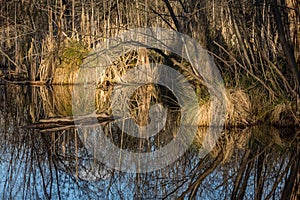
(253, 163)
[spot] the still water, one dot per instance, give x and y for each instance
(259, 162)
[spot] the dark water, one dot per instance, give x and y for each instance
(258, 162)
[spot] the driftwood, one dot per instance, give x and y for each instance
(63, 123)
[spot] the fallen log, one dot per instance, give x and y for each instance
(62, 123)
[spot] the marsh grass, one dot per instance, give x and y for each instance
(238, 107)
(283, 114)
(277, 111)
(238, 110)
(48, 59)
(111, 80)
(71, 55)
(244, 107)
(61, 60)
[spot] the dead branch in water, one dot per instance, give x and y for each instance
(63, 123)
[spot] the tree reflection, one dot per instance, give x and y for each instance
(253, 163)
(259, 170)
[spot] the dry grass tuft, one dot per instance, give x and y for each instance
(64, 76)
(283, 115)
(71, 56)
(204, 115)
(238, 110)
(111, 77)
(238, 107)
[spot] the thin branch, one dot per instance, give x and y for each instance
(10, 60)
(245, 68)
(173, 15)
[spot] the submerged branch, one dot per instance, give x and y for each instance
(56, 124)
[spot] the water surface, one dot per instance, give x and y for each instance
(259, 162)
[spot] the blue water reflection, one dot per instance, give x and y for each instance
(36, 164)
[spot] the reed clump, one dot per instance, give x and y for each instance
(48, 59)
(283, 115)
(111, 78)
(272, 110)
(71, 56)
(238, 110)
